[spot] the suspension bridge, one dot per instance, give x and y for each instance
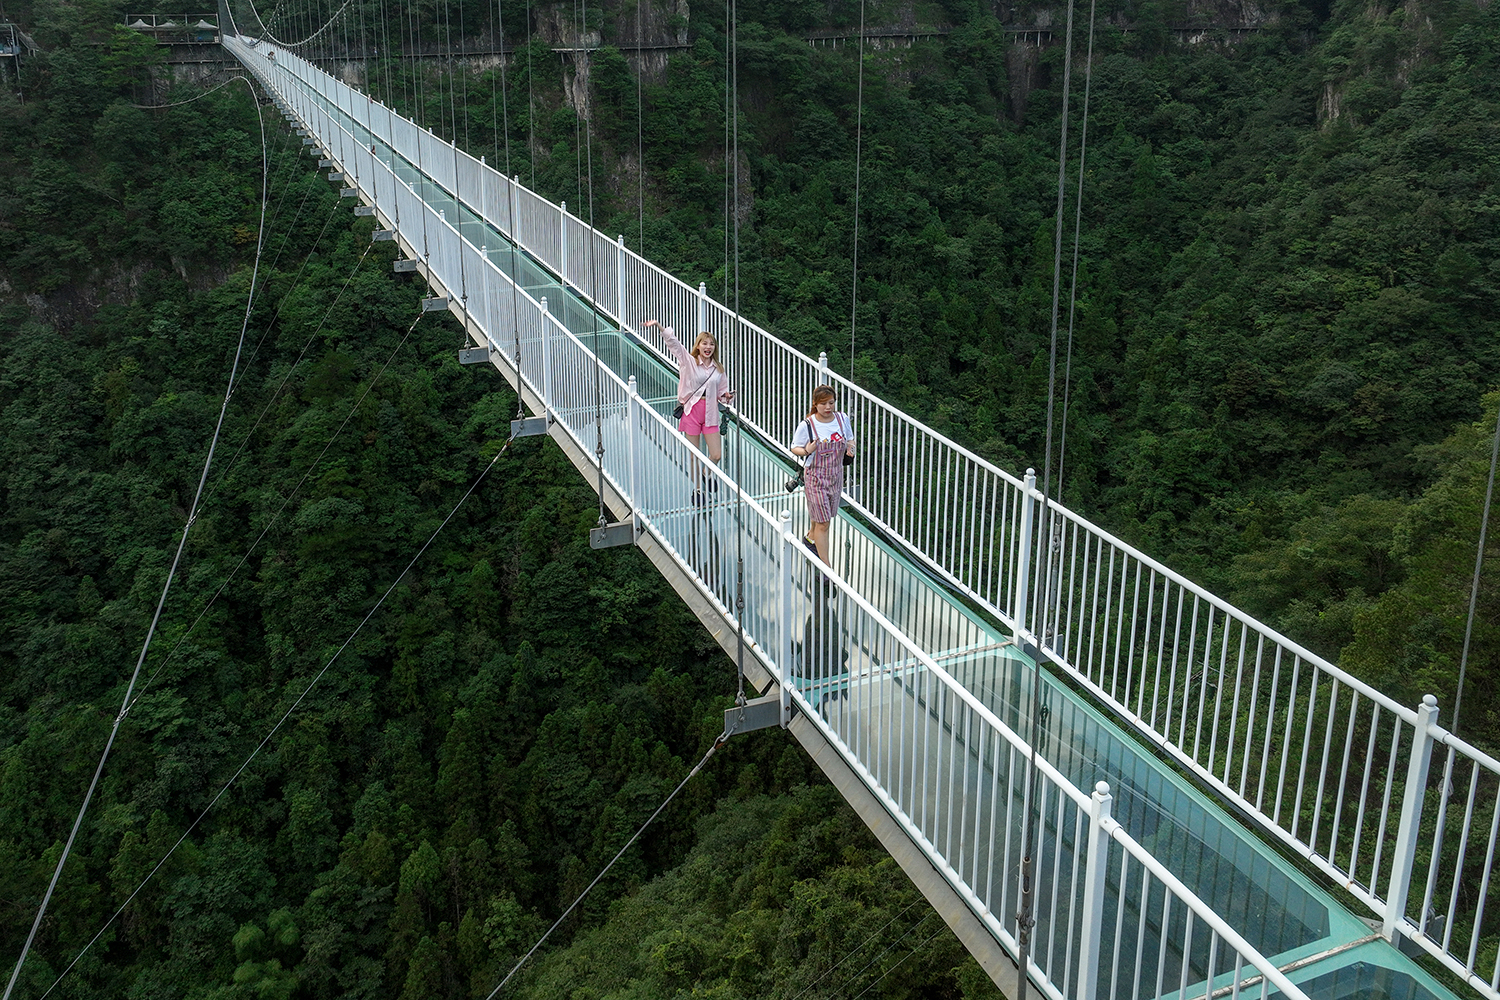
(907, 668)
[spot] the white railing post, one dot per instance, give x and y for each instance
(546, 364)
(1092, 919)
(1023, 556)
(620, 280)
(823, 368)
(702, 307)
(515, 210)
(632, 431)
(784, 598)
(1412, 802)
(562, 243)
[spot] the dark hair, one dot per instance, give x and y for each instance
(821, 393)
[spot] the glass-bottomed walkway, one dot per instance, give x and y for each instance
(920, 689)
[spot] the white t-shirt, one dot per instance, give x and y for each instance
(840, 428)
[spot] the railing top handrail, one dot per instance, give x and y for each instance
(1463, 746)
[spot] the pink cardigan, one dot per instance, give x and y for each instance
(694, 380)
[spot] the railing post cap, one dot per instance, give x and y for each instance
(702, 288)
(1430, 700)
(1102, 789)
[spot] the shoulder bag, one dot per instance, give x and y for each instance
(677, 410)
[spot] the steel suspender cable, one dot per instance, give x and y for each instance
(510, 200)
(167, 584)
(590, 265)
(1083, 147)
(421, 177)
(530, 100)
(621, 853)
(1463, 660)
(1024, 918)
(458, 208)
(734, 118)
(465, 77)
(497, 36)
(640, 139)
(739, 530)
(859, 138)
(582, 98)
(1484, 525)
(385, 39)
(731, 197)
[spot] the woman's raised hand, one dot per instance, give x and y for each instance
(650, 323)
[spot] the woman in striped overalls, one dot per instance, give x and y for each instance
(823, 440)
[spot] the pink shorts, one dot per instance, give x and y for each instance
(691, 423)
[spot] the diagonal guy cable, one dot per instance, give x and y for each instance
(285, 715)
(286, 502)
(167, 585)
(636, 836)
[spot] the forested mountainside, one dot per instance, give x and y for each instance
(1285, 339)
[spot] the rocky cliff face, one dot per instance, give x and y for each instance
(1368, 59)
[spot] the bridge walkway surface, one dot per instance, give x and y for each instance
(909, 686)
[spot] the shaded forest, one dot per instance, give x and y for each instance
(1283, 384)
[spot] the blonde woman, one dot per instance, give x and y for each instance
(702, 385)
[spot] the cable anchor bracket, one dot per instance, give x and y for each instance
(608, 536)
(759, 713)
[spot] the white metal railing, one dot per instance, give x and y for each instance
(1334, 768)
(1315, 756)
(943, 764)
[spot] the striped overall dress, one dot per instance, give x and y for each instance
(825, 476)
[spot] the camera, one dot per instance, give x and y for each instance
(793, 483)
